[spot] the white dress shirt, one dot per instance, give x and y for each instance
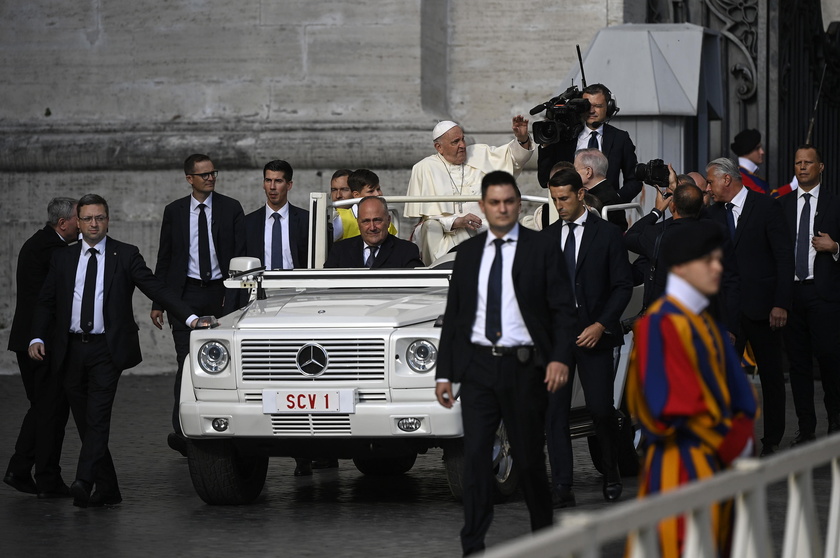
(586, 133)
(738, 204)
(193, 269)
(514, 330)
(288, 262)
(79, 289)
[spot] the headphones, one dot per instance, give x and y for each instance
(612, 107)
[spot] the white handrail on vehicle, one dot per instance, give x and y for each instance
(585, 533)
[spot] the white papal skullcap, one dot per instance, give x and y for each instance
(441, 128)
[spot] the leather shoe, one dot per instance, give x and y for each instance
(80, 490)
(612, 491)
(802, 438)
(834, 424)
(177, 443)
(325, 463)
(21, 483)
(562, 497)
(768, 449)
(60, 491)
(303, 467)
(103, 498)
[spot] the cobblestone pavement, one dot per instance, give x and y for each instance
(336, 512)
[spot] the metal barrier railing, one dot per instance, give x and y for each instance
(584, 534)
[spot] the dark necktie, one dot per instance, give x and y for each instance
(569, 253)
(89, 294)
(730, 220)
(276, 242)
(493, 322)
(371, 256)
(803, 237)
(203, 245)
(593, 140)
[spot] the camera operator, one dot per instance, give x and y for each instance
(612, 142)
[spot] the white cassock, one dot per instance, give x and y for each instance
(434, 176)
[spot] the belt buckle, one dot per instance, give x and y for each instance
(85, 338)
(494, 352)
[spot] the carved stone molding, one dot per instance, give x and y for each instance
(739, 19)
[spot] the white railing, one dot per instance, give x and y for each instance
(584, 534)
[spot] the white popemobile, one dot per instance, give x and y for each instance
(332, 364)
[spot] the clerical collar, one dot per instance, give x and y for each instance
(686, 294)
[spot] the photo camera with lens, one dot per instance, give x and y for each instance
(562, 117)
(655, 172)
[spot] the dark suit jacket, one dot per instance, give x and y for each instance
(608, 195)
(393, 253)
(298, 234)
(616, 145)
(32, 267)
(542, 290)
(227, 228)
(641, 239)
(603, 278)
(826, 220)
(124, 270)
(764, 254)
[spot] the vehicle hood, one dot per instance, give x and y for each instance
(325, 308)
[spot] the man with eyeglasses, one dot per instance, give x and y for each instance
(199, 235)
(84, 323)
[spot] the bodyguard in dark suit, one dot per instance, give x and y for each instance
(85, 314)
(280, 242)
(602, 284)
(507, 334)
(614, 143)
(764, 255)
(199, 235)
(375, 247)
(813, 217)
(42, 431)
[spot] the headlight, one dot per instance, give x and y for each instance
(421, 355)
(213, 357)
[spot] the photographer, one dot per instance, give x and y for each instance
(612, 142)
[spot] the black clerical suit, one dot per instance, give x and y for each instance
(615, 144)
(255, 223)
(42, 431)
(206, 298)
(608, 195)
(813, 328)
(505, 387)
(392, 253)
(603, 287)
(764, 255)
(91, 364)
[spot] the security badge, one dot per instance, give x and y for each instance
(523, 355)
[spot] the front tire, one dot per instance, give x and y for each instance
(507, 477)
(222, 476)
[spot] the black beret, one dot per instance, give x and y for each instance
(746, 141)
(690, 239)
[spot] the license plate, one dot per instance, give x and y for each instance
(309, 401)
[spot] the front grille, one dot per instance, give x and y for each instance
(266, 360)
(311, 425)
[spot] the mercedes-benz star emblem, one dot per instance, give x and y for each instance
(312, 359)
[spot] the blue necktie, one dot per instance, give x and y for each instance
(89, 294)
(569, 253)
(593, 140)
(203, 245)
(730, 220)
(276, 242)
(493, 321)
(803, 237)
